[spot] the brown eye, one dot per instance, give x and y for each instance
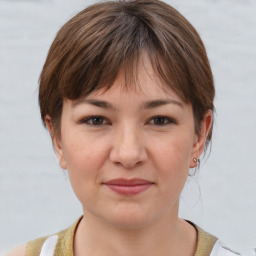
(161, 120)
(97, 120)
(94, 120)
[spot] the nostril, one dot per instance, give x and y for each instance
(131, 165)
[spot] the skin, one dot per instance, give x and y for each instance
(128, 139)
(142, 132)
(18, 251)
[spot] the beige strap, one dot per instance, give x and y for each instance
(33, 248)
(64, 245)
(205, 242)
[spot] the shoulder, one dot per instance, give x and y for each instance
(18, 251)
(46, 245)
(37, 247)
(208, 244)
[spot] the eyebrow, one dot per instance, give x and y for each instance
(97, 103)
(146, 105)
(160, 102)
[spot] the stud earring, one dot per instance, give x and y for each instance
(194, 169)
(197, 161)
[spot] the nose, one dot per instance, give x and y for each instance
(128, 148)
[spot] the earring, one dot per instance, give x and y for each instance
(197, 161)
(194, 169)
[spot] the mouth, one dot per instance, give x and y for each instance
(128, 187)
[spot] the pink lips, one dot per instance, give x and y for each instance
(128, 187)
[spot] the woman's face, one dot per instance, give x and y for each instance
(128, 152)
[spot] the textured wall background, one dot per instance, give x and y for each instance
(35, 195)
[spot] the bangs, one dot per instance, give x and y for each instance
(96, 64)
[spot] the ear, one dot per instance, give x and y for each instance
(56, 141)
(200, 139)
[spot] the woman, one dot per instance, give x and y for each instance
(126, 94)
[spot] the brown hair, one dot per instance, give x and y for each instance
(90, 50)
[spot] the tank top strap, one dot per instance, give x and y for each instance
(205, 242)
(56, 245)
(64, 244)
(33, 248)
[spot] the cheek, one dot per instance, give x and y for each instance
(174, 154)
(83, 152)
(172, 160)
(84, 158)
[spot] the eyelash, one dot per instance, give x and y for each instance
(168, 119)
(89, 120)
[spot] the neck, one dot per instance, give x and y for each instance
(169, 236)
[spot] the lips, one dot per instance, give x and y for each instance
(128, 187)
